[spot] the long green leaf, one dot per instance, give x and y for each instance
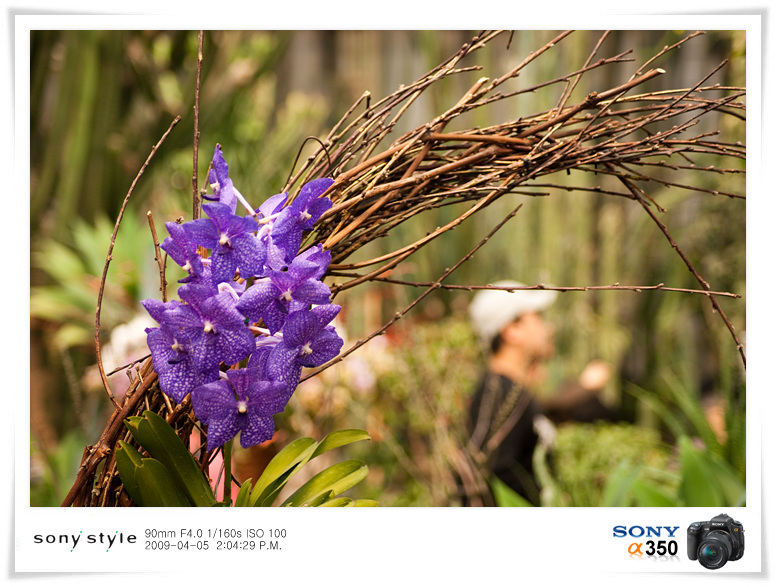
(649, 495)
(365, 503)
(270, 494)
(338, 502)
(732, 489)
(690, 406)
(320, 500)
(698, 488)
(154, 434)
(505, 496)
(292, 458)
(282, 467)
(722, 487)
(336, 479)
(619, 483)
(177, 458)
(244, 495)
(128, 459)
(662, 411)
(156, 486)
(339, 438)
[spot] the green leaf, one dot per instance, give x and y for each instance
(708, 480)
(320, 500)
(349, 502)
(281, 468)
(156, 487)
(59, 261)
(244, 495)
(338, 502)
(289, 461)
(335, 479)
(131, 423)
(505, 496)
(339, 438)
(662, 411)
(617, 486)
(649, 495)
(730, 486)
(365, 503)
(154, 434)
(128, 459)
(690, 405)
(698, 488)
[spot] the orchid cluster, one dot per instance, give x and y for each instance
(255, 300)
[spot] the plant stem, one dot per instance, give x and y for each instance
(228, 472)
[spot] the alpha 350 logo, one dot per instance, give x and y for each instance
(661, 547)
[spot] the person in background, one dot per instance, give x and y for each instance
(506, 420)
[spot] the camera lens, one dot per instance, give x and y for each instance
(715, 550)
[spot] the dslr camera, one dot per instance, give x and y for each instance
(715, 542)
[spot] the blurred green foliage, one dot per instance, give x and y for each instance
(68, 303)
(594, 461)
(52, 472)
(416, 414)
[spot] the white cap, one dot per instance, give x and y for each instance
(492, 309)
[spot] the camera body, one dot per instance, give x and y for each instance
(715, 542)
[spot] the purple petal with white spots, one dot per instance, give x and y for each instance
(249, 254)
(203, 232)
(283, 366)
(300, 328)
(220, 182)
(312, 292)
(157, 308)
(181, 379)
(326, 313)
(256, 299)
(257, 430)
(272, 205)
(325, 347)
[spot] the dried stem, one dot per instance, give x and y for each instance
(704, 284)
(194, 179)
(110, 257)
(398, 315)
(158, 257)
(563, 288)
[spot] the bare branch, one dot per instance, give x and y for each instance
(110, 257)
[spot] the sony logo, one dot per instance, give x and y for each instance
(648, 531)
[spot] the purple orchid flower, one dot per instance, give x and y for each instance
(172, 362)
(210, 327)
(243, 403)
(301, 215)
(290, 288)
(183, 251)
(223, 190)
(232, 241)
(308, 341)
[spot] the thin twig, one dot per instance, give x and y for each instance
(398, 315)
(563, 288)
(93, 455)
(194, 178)
(703, 282)
(110, 257)
(159, 258)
